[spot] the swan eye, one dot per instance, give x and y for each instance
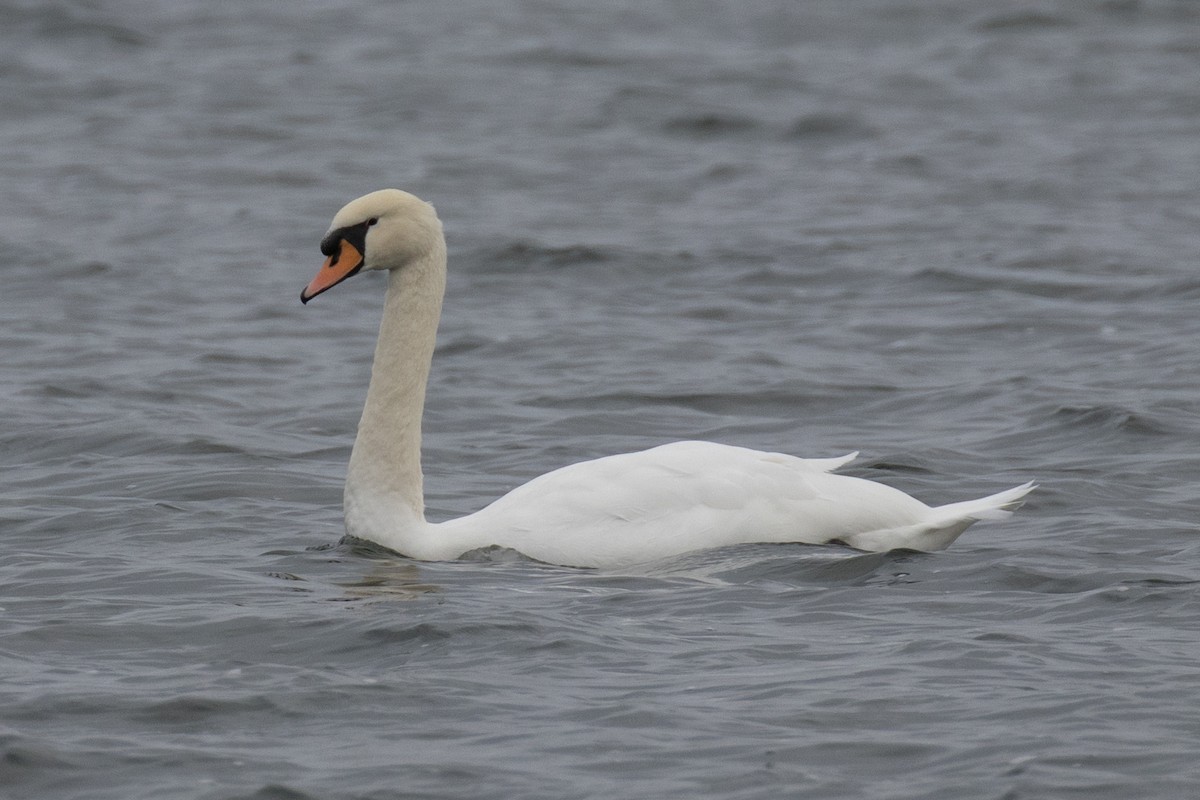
(372, 221)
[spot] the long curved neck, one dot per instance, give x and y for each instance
(384, 486)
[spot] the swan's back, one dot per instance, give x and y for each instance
(683, 497)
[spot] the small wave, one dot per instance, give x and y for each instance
(829, 126)
(77, 22)
(711, 125)
(1026, 20)
(524, 255)
(549, 55)
(1109, 417)
(278, 791)
(199, 710)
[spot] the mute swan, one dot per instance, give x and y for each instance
(609, 512)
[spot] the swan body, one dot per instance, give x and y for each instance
(609, 512)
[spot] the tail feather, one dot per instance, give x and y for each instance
(994, 506)
(943, 525)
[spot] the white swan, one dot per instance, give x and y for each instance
(609, 512)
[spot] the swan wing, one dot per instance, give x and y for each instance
(678, 498)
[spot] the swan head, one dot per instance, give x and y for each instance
(387, 229)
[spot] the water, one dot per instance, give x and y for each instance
(959, 237)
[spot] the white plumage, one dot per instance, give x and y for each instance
(608, 512)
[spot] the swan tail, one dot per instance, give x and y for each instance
(994, 506)
(944, 524)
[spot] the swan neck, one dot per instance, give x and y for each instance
(384, 484)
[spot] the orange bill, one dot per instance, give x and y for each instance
(339, 266)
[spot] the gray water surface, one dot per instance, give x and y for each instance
(960, 237)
